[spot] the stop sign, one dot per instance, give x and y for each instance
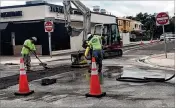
(162, 18)
(48, 26)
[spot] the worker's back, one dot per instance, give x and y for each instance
(29, 44)
(95, 42)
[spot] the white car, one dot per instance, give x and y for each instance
(169, 36)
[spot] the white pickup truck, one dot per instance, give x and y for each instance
(169, 36)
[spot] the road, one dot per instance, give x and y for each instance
(72, 84)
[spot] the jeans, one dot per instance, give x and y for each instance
(98, 57)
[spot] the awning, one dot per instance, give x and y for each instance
(3, 26)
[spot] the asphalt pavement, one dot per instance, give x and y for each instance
(72, 84)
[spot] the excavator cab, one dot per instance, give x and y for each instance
(112, 43)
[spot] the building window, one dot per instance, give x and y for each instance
(119, 23)
(136, 26)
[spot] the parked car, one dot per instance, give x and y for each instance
(132, 37)
(169, 36)
(137, 35)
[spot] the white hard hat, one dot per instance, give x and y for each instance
(34, 38)
(88, 36)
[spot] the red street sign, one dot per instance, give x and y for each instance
(48, 26)
(162, 18)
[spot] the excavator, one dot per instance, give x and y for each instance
(112, 45)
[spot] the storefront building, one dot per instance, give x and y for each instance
(25, 21)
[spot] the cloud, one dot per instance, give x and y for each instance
(119, 8)
(10, 3)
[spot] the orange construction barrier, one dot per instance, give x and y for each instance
(95, 89)
(23, 81)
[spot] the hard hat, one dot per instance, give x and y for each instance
(34, 38)
(88, 36)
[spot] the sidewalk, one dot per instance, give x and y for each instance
(161, 60)
(34, 61)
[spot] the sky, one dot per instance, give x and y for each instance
(119, 8)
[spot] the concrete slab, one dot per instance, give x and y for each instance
(161, 60)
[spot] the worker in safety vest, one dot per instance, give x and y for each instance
(88, 51)
(95, 43)
(28, 47)
(85, 45)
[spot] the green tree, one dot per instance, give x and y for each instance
(149, 24)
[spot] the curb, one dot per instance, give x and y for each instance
(124, 46)
(138, 46)
(155, 56)
(159, 55)
(145, 61)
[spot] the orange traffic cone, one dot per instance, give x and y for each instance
(142, 42)
(95, 89)
(23, 81)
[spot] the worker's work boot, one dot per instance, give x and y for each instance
(89, 71)
(90, 66)
(99, 70)
(28, 69)
(100, 74)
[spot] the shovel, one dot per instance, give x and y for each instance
(41, 63)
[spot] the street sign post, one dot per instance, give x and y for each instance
(162, 19)
(49, 27)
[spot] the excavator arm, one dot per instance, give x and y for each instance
(86, 16)
(78, 59)
(67, 8)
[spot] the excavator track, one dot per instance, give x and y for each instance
(112, 53)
